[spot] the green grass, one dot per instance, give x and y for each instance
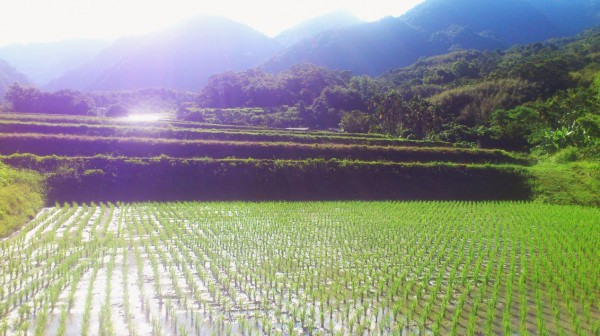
(570, 183)
(21, 196)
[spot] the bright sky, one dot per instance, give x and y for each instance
(26, 21)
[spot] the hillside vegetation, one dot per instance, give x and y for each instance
(567, 183)
(21, 197)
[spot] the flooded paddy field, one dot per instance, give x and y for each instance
(315, 268)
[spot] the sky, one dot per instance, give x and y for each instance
(30, 21)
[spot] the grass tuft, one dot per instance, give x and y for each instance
(21, 197)
(569, 183)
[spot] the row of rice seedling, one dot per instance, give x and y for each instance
(125, 131)
(69, 145)
(170, 132)
(335, 268)
(167, 123)
(89, 120)
(51, 261)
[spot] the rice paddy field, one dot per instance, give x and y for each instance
(303, 268)
(89, 159)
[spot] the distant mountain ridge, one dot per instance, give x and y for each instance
(44, 62)
(439, 26)
(182, 57)
(319, 24)
(185, 56)
(571, 16)
(8, 76)
(511, 21)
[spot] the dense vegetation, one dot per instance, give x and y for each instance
(338, 268)
(21, 196)
(111, 104)
(544, 96)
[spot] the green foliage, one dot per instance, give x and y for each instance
(567, 155)
(571, 118)
(458, 134)
(256, 88)
(357, 122)
(474, 105)
(566, 183)
(21, 196)
(390, 109)
(565, 107)
(29, 99)
(512, 128)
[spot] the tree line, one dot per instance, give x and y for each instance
(111, 104)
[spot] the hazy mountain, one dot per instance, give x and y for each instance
(44, 62)
(357, 47)
(84, 76)
(571, 16)
(185, 56)
(8, 76)
(373, 48)
(512, 21)
(317, 25)
(182, 57)
(436, 27)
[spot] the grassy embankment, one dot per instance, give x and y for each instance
(566, 183)
(21, 196)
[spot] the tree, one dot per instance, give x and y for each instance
(356, 122)
(391, 108)
(422, 118)
(24, 99)
(513, 128)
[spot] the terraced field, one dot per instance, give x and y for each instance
(95, 159)
(332, 268)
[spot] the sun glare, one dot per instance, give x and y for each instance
(144, 117)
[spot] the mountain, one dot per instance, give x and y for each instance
(512, 21)
(571, 16)
(44, 62)
(317, 25)
(436, 27)
(8, 76)
(181, 57)
(185, 56)
(373, 48)
(85, 75)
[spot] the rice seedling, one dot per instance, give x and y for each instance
(290, 268)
